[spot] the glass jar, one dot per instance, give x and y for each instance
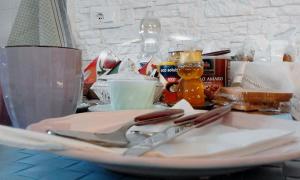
(190, 69)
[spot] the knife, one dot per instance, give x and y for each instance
(183, 126)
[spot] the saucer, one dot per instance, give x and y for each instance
(108, 107)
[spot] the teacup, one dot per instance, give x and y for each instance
(132, 94)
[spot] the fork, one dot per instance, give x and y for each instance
(118, 137)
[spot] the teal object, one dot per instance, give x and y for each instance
(132, 94)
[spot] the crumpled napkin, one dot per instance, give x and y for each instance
(264, 76)
(216, 140)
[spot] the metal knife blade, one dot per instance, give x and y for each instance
(155, 140)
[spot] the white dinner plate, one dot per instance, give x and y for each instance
(108, 121)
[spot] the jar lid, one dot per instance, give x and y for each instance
(190, 56)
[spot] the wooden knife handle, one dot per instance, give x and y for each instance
(158, 114)
(200, 117)
(188, 118)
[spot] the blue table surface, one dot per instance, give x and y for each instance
(21, 164)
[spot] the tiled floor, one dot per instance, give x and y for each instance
(20, 164)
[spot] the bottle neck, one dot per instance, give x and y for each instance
(150, 13)
(150, 24)
(151, 5)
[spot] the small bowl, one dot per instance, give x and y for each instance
(132, 94)
(102, 90)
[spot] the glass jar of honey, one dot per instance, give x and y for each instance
(190, 69)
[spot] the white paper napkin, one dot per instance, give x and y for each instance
(266, 76)
(217, 140)
(221, 140)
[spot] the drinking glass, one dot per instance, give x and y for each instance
(40, 82)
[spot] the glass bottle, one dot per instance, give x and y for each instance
(190, 69)
(150, 29)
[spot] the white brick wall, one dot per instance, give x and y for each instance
(228, 21)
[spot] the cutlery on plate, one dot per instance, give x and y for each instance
(182, 126)
(118, 138)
